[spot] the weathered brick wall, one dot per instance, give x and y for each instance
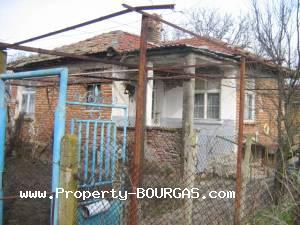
(41, 126)
(163, 146)
(266, 105)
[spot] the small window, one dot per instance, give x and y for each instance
(249, 107)
(28, 102)
(213, 105)
(94, 93)
(207, 99)
(199, 106)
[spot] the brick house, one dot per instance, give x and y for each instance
(216, 100)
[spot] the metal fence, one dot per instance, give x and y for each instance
(165, 199)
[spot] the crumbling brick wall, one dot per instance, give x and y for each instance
(163, 146)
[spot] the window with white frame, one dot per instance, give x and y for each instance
(207, 99)
(249, 111)
(28, 101)
(94, 93)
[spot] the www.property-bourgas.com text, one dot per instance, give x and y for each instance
(175, 193)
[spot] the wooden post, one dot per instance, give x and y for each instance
(245, 174)
(68, 181)
(2, 61)
(189, 138)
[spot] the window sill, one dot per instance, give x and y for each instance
(92, 110)
(28, 118)
(208, 121)
(249, 122)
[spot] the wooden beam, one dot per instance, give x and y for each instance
(2, 61)
(68, 181)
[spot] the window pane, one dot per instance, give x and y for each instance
(29, 89)
(249, 107)
(94, 93)
(31, 103)
(28, 101)
(213, 105)
(250, 84)
(24, 103)
(199, 106)
(213, 84)
(200, 84)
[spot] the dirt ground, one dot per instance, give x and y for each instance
(26, 174)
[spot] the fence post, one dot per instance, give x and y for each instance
(189, 139)
(67, 214)
(245, 174)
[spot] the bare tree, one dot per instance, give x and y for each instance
(276, 28)
(209, 22)
(16, 55)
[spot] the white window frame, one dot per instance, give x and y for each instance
(25, 91)
(206, 92)
(92, 93)
(251, 120)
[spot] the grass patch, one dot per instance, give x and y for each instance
(284, 214)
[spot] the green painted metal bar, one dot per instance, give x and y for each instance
(79, 144)
(97, 105)
(107, 152)
(86, 150)
(3, 114)
(94, 150)
(59, 124)
(101, 152)
(72, 126)
(114, 152)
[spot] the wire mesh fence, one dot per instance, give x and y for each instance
(26, 191)
(165, 194)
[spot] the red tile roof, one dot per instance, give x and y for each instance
(126, 42)
(119, 40)
(208, 43)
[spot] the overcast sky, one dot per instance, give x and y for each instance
(22, 19)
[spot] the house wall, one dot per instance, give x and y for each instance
(39, 128)
(168, 106)
(46, 100)
(264, 127)
(171, 97)
(168, 110)
(163, 147)
(168, 103)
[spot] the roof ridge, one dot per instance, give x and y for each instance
(95, 37)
